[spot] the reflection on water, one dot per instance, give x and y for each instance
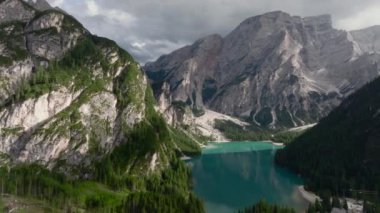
(228, 181)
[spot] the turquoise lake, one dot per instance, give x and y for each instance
(231, 176)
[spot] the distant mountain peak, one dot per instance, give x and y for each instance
(283, 17)
(274, 69)
(319, 20)
(269, 17)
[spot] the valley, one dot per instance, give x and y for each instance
(279, 114)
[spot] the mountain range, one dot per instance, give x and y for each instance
(274, 70)
(84, 128)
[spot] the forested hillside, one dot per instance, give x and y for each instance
(78, 128)
(341, 154)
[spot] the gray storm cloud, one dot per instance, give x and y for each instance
(150, 28)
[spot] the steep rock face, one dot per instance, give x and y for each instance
(40, 5)
(368, 39)
(275, 70)
(67, 98)
(11, 10)
(51, 34)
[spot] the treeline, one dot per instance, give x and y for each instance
(138, 194)
(236, 132)
(341, 155)
(186, 144)
(150, 202)
(264, 207)
(327, 204)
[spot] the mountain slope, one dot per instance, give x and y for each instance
(274, 70)
(78, 128)
(342, 152)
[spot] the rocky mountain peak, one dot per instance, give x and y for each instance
(368, 39)
(271, 20)
(15, 10)
(40, 5)
(270, 17)
(273, 69)
(319, 21)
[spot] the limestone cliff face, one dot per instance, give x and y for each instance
(368, 39)
(275, 70)
(66, 97)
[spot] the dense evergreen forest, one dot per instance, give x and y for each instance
(341, 155)
(264, 207)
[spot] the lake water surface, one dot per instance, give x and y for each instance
(231, 176)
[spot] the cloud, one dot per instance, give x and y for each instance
(56, 3)
(365, 18)
(149, 28)
(113, 16)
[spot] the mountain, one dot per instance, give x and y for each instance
(78, 128)
(368, 39)
(341, 153)
(274, 70)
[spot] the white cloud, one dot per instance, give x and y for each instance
(365, 18)
(56, 3)
(150, 28)
(92, 8)
(111, 15)
(138, 45)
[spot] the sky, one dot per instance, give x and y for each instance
(151, 28)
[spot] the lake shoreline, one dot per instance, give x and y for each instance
(275, 144)
(266, 141)
(308, 195)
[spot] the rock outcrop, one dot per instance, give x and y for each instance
(67, 98)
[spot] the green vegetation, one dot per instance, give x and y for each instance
(11, 35)
(69, 23)
(121, 180)
(5, 61)
(264, 116)
(341, 155)
(128, 88)
(264, 207)
(35, 182)
(118, 183)
(149, 202)
(184, 143)
(11, 131)
(370, 207)
(72, 71)
(236, 132)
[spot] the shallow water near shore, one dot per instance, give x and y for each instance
(234, 175)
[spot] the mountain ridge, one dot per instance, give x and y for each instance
(340, 154)
(256, 60)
